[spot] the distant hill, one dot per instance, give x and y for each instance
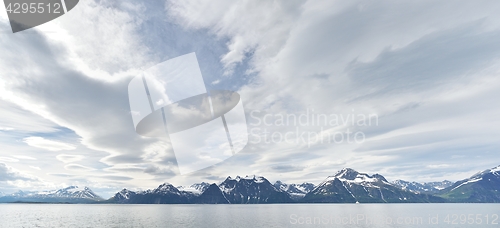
(72, 194)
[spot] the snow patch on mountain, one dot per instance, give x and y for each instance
(71, 192)
(297, 191)
(495, 170)
(426, 187)
(351, 176)
(467, 182)
(124, 194)
(196, 189)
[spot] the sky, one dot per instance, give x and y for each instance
(425, 73)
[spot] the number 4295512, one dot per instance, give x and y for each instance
(471, 219)
(34, 8)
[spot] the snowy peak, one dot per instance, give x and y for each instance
(294, 188)
(489, 174)
(351, 175)
(495, 171)
(124, 194)
(254, 178)
(165, 193)
(166, 188)
(296, 191)
(426, 187)
(346, 173)
(196, 189)
(252, 189)
(76, 192)
(350, 186)
(482, 187)
(20, 193)
(200, 186)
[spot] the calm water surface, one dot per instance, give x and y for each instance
(277, 215)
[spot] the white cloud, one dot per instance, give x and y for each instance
(7, 159)
(69, 158)
(23, 157)
(7, 173)
(15, 118)
(78, 167)
(46, 144)
(247, 24)
(335, 57)
(111, 45)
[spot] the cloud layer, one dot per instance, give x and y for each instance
(428, 70)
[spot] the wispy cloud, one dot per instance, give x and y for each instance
(7, 173)
(46, 144)
(432, 80)
(77, 167)
(69, 158)
(7, 159)
(23, 157)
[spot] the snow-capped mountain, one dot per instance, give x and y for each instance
(123, 195)
(345, 186)
(249, 189)
(350, 186)
(163, 194)
(72, 194)
(76, 192)
(296, 191)
(480, 188)
(252, 189)
(426, 187)
(166, 189)
(196, 189)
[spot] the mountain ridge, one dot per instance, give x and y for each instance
(71, 194)
(345, 186)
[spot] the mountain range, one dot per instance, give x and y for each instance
(72, 194)
(350, 186)
(426, 187)
(345, 186)
(296, 191)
